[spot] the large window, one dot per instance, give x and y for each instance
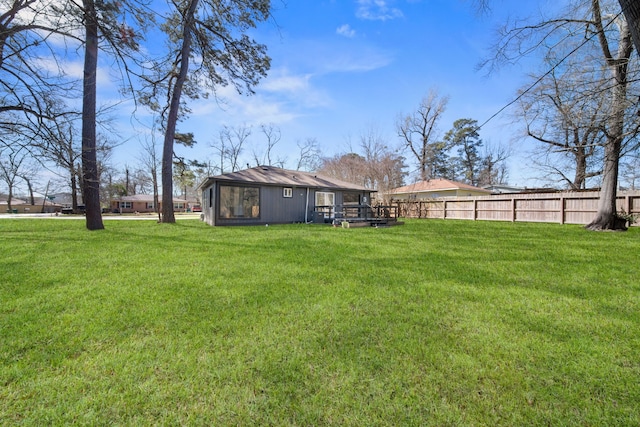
(239, 202)
(325, 203)
(351, 198)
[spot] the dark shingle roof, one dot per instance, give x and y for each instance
(269, 175)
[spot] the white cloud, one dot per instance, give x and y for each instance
(363, 59)
(346, 30)
(293, 88)
(281, 98)
(284, 82)
(263, 111)
(317, 58)
(377, 10)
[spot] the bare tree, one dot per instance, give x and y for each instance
(493, 169)
(309, 155)
(350, 167)
(28, 87)
(230, 146)
(605, 28)
(30, 176)
(384, 167)
(375, 167)
(630, 8)
(13, 161)
(630, 172)
(419, 133)
(565, 114)
(273, 136)
(25, 31)
(104, 151)
(220, 149)
(62, 146)
(618, 64)
(151, 163)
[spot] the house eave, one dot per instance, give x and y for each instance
(276, 177)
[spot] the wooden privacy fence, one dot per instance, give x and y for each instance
(564, 208)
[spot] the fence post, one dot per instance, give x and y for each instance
(627, 204)
(562, 207)
(475, 209)
(513, 209)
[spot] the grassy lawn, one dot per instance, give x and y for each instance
(432, 323)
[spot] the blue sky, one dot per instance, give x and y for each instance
(341, 67)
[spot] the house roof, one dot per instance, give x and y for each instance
(438, 184)
(143, 198)
(270, 175)
(66, 198)
(498, 188)
(14, 201)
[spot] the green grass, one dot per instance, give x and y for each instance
(432, 323)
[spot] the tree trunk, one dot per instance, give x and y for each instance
(74, 190)
(607, 217)
(127, 183)
(91, 191)
(30, 188)
(631, 10)
(172, 119)
(580, 177)
(9, 197)
(156, 200)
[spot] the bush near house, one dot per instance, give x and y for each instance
(435, 323)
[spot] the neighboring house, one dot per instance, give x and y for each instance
(434, 188)
(17, 205)
(270, 195)
(23, 206)
(503, 189)
(143, 203)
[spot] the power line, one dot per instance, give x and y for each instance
(534, 84)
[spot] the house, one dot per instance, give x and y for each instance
(143, 203)
(22, 206)
(434, 188)
(270, 195)
(503, 189)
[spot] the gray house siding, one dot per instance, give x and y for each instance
(208, 204)
(268, 195)
(274, 207)
(277, 209)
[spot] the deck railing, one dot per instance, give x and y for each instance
(357, 212)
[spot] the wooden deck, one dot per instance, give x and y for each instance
(359, 215)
